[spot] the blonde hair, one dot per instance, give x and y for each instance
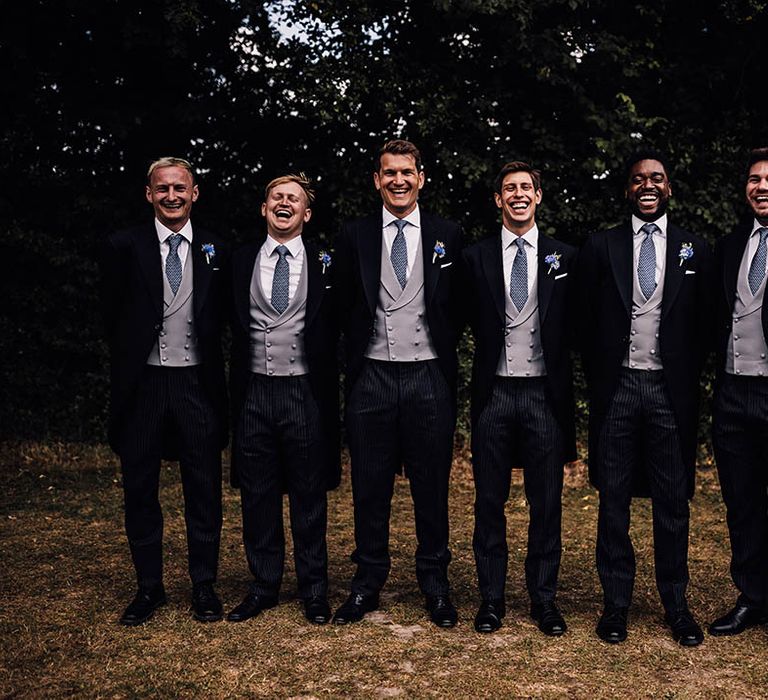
(168, 162)
(300, 179)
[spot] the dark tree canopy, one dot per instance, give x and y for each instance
(93, 91)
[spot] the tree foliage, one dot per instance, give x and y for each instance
(247, 90)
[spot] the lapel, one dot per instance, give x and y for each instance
(493, 271)
(674, 272)
(369, 237)
(316, 281)
(732, 255)
(150, 262)
(619, 244)
(429, 237)
(546, 275)
(242, 272)
(201, 269)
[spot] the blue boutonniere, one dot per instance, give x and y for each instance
(325, 259)
(210, 252)
(438, 251)
(686, 252)
(553, 260)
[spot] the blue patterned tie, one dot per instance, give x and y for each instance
(757, 267)
(518, 278)
(646, 261)
(399, 253)
(173, 262)
(280, 280)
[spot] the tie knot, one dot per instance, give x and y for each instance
(400, 224)
(763, 233)
(282, 251)
(174, 241)
(649, 229)
(520, 243)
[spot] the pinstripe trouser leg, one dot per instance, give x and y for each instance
(279, 444)
(518, 422)
(172, 399)
(400, 413)
(640, 421)
(740, 438)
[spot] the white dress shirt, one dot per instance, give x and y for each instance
(659, 243)
(752, 243)
(164, 233)
(509, 251)
(411, 231)
(268, 261)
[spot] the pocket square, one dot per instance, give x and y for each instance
(564, 274)
(215, 269)
(690, 272)
(329, 286)
(447, 264)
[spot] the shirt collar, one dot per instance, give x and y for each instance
(756, 225)
(163, 232)
(295, 245)
(531, 237)
(661, 222)
(414, 218)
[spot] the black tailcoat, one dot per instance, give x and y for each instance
(485, 304)
(605, 315)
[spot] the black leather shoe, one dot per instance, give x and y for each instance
(317, 610)
(549, 619)
(143, 606)
(489, 615)
(441, 610)
(206, 605)
(612, 627)
(355, 607)
(252, 605)
(685, 630)
(737, 620)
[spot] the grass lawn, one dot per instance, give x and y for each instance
(66, 576)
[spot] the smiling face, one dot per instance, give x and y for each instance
(648, 189)
(171, 192)
(757, 190)
(518, 200)
(286, 211)
(398, 181)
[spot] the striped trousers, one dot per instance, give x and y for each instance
(740, 437)
(517, 427)
(171, 404)
(400, 414)
(640, 433)
(279, 449)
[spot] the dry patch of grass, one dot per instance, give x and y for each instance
(66, 576)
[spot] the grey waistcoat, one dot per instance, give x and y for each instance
(522, 355)
(747, 352)
(277, 340)
(643, 351)
(400, 330)
(176, 345)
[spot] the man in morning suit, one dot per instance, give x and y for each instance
(520, 311)
(740, 415)
(643, 314)
(285, 393)
(398, 293)
(165, 287)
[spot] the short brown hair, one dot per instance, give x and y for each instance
(755, 156)
(517, 166)
(170, 162)
(300, 179)
(399, 147)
